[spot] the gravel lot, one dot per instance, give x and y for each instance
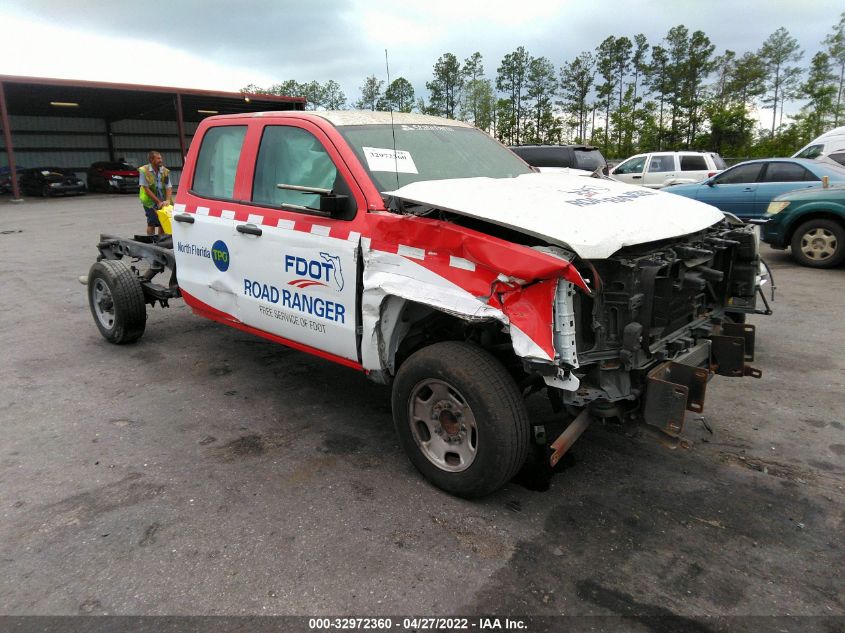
(203, 471)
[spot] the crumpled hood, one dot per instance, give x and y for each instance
(593, 217)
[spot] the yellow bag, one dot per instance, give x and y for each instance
(165, 217)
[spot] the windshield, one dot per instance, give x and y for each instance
(429, 152)
(118, 167)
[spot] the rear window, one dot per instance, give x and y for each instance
(544, 156)
(217, 163)
(839, 157)
(588, 159)
(693, 163)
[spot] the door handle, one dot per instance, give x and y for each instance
(749, 189)
(248, 228)
(184, 217)
(636, 177)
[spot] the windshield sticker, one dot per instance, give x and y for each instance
(400, 161)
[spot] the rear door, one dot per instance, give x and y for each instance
(780, 177)
(204, 222)
(661, 168)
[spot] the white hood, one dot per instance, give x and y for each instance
(593, 217)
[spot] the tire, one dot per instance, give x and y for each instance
(117, 301)
(470, 433)
(819, 243)
(45, 191)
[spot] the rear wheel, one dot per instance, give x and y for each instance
(460, 418)
(45, 191)
(117, 301)
(819, 243)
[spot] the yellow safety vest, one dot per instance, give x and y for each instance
(147, 176)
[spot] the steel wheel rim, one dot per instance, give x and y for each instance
(103, 303)
(818, 244)
(443, 425)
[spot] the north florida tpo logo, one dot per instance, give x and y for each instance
(220, 255)
(325, 271)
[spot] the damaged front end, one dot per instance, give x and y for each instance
(661, 320)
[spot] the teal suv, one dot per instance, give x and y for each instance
(811, 222)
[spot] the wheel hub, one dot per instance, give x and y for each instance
(819, 244)
(443, 425)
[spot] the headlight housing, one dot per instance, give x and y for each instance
(776, 206)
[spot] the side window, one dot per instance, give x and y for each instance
(661, 163)
(217, 163)
(291, 156)
(838, 157)
(693, 163)
(740, 174)
(632, 166)
(814, 151)
(787, 172)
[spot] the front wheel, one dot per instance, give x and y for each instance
(819, 243)
(460, 418)
(117, 301)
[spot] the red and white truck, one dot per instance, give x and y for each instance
(424, 254)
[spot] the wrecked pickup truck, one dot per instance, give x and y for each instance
(424, 254)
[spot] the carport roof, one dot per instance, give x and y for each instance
(115, 102)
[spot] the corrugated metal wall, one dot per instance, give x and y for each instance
(76, 142)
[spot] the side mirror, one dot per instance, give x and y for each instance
(710, 182)
(338, 206)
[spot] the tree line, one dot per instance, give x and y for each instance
(627, 95)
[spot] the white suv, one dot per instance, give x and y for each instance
(660, 169)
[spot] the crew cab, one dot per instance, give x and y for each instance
(422, 253)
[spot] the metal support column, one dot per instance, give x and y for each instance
(180, 123)
(110, 140)
(10, 150)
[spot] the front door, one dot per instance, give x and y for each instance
(297, 268)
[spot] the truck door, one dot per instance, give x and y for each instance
(204, 223)
(296, 268)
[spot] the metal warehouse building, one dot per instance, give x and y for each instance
(71, 124)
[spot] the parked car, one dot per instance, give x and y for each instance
(112, 176)
(827, 143)
(6, 178)
(747, 189)
(656, 170)
(50, 181)
(811, 222)
(560, 157)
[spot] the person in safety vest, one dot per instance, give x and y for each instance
(155, 190)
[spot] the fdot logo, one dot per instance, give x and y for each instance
(220, 255)
(315, 272)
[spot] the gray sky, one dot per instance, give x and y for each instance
(208, 44)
